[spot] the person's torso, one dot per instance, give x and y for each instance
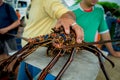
(42, 17)
(89, 21)
(117, 31)
(110, 21)
(7, 17)
(4, 17)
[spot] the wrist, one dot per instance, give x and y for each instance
(69, 15)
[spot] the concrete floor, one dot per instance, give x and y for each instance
(114, 73)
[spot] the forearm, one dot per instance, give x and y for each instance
(13, 25)
(106, 36)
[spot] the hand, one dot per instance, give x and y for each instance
(67, 23)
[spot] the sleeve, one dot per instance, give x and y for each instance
(12, 13)
(103, 25)
(54, 8)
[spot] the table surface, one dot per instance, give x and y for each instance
(75, 71)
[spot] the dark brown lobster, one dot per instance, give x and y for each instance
(58, 44)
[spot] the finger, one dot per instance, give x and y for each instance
(79, 33)
(66, 28)
(58, 24)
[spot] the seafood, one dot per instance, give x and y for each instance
(58, 44)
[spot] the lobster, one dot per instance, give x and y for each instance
(58, 43)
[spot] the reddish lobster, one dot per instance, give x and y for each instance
(58, 44)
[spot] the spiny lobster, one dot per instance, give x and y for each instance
(58, 44)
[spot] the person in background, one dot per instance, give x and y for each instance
(8, 24)
(90, 16)
(111, 23)
(110, 19)
(117, 35)
(98, 23)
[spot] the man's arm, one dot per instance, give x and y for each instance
(106, 36)
(10, 27)
(67, 20)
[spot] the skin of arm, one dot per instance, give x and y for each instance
(106, 36)
(10, 27)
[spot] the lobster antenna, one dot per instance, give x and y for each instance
(18, 36)
(91, 43)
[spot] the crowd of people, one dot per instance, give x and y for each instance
(46, 14)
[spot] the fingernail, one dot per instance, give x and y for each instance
(67, 32)
(79, 40)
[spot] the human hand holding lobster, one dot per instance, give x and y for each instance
(68, 21)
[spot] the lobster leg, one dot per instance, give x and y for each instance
(103, 55)
(20, 55)
(49, 66)
(103, 68)
(6, 62)
(98, 54)
(66, 64)
(31, 49)
(27, 72)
